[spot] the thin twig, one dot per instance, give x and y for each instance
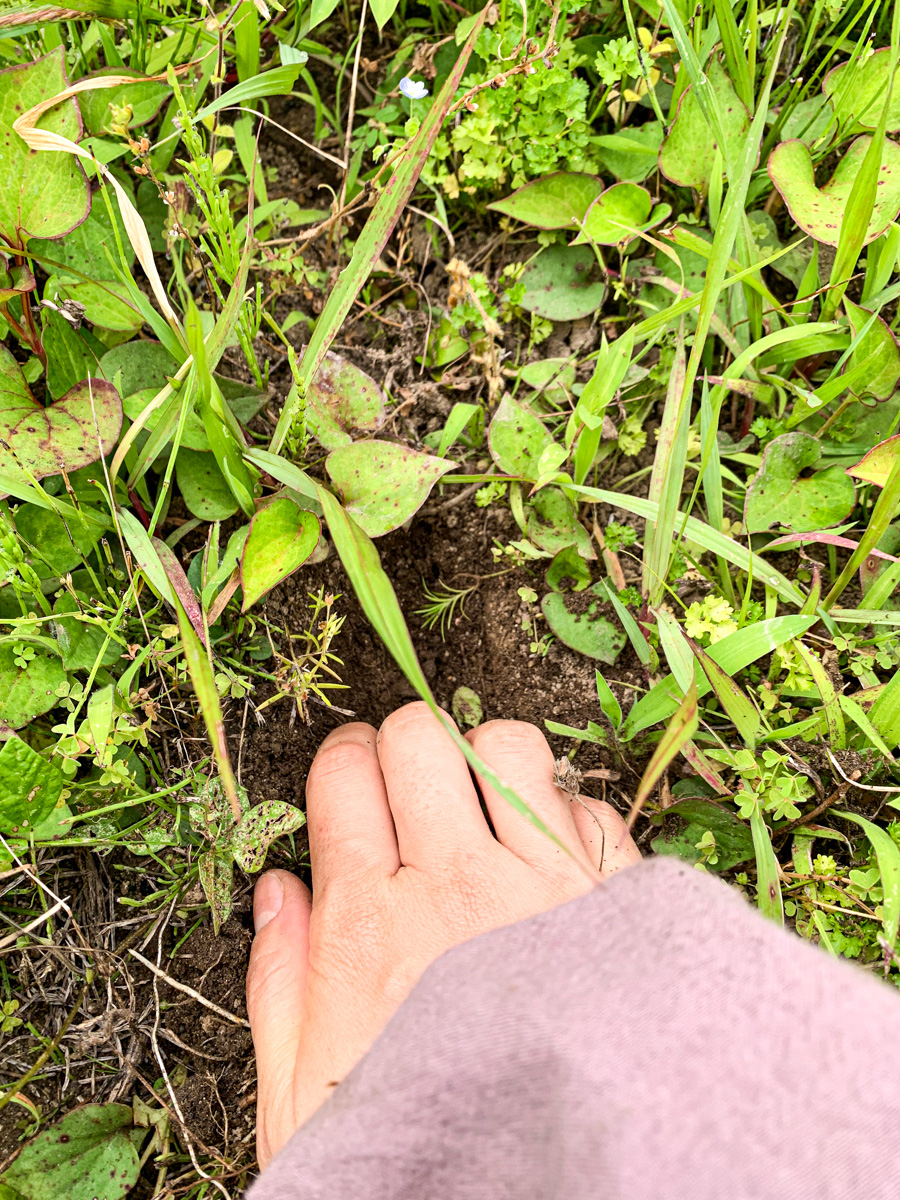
(189, 991)
(12, 938)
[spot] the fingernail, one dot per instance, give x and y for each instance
(267, 900)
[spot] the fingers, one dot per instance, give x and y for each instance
(604, 835)
(519, 753)
(433, 801)
(276, 981)
(350, 826)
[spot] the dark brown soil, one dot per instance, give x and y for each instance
(485, 649)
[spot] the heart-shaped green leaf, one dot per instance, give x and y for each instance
(618, 214)
(282, 537)
(70, 433)
(557, 201)
(342, 398)
(857, 90)
(876, 356)
(203, 486)
(30, 691)
(129, 105)
(576, 621)
(29, 787)
(383, 484)
(820, 211)
(85, 247)
(80, 642)
(631, 154)
(688, 154)
(786, 492)
(876, 466)
(44, 194)
(259, 828)
(517, 439)
(91, 1152)
(563, 284)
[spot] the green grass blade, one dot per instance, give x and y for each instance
(679, 732)
(374, 236)
(768, 886)
(887, 855)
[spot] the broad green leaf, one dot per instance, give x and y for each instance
(258, 829)
(106, 303)
(780, 494)
(875, 467)
(576, 620)
(631, 154)
(517, 439)
(820, 211)
(282, 537)
(83, 249)
(686, 821)
(130, 105)
(44, 194)
(688, 154)
(382, 11)
(616, 215)
(140, 365)
(89, 1153)
(30, 786)
(203, 486)
(563, 283)
(876, 355)
(72, 356)
(887, 855)
(857, 90)
(68, 434)
(30, 691)
(383, 484)
(341, 400)
(557, 201)
(60, 543)
(552, 523)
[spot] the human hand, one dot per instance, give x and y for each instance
(404, 867)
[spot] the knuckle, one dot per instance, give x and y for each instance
(408, 717)
(510, 739)
(337, 759)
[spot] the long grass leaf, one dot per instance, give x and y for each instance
(768, 885)
(887, 855)
(679, 732)
(374, 236)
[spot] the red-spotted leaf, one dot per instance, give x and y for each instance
(341, 399)
(820, 211)
(383, 484)
(73, 432)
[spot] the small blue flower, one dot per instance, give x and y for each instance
(413, 89)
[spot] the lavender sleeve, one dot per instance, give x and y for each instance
(655, 1040)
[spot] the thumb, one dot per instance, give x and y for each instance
(276, 983)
